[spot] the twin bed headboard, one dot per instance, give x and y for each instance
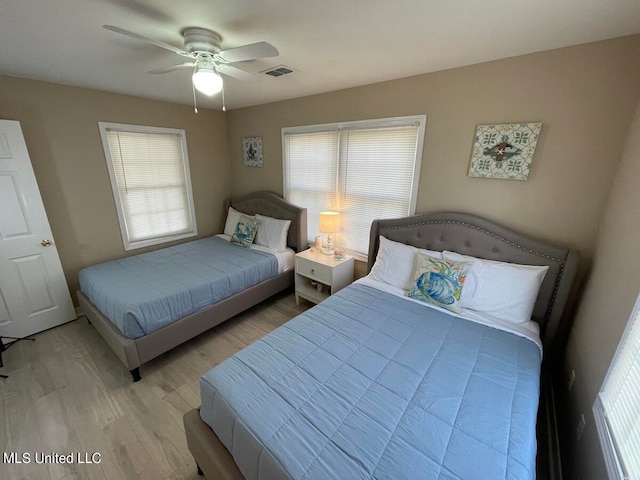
(476, 236)
(271, 205)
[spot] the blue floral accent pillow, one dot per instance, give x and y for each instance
(439, 282)
(245, 232)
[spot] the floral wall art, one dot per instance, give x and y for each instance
(504, 151)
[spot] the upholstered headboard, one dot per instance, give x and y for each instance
(476, 236)
(271, 205)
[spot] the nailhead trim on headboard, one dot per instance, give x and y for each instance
(553, 296)
(475, 227)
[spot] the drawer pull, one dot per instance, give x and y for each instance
(313, 272)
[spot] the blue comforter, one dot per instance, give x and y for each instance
(369, 385)
(146, 292)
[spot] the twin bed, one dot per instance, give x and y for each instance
(370, 384)
(145, 305)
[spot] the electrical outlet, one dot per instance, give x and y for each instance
(572, 378)
(580, 427)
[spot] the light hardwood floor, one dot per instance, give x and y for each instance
(68, 393)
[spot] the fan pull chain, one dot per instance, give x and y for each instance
(193, 89)
(224, 108)
(195, 106)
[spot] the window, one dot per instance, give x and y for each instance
(617, 406)
(364, 170)
(149, 171)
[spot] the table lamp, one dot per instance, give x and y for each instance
(329, 224)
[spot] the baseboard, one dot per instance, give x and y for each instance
(79, 312)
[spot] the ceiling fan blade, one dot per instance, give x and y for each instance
(157, 43)
(235, 72)
(172, 68)
(248, 52)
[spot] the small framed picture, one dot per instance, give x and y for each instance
(252, 151)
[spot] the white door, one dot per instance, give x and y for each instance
(33, 291)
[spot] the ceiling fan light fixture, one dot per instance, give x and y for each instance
(207, 81)
(202, 48)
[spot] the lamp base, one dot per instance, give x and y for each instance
(329, 250)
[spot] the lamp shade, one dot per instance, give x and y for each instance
(207, 81)
(329, 222)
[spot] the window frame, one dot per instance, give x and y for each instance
(123, 127)
(420, 120)
(613, 462)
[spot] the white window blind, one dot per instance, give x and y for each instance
(311, 169)
(364, 170)
(617, 407)
(150, 181)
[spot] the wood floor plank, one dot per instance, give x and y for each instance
(20, 429)
(56, 433)
(69, 393)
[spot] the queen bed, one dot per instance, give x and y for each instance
(372, 384)
(147, 304)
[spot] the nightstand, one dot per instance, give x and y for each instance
(327, 274)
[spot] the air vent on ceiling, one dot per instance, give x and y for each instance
(278, 71)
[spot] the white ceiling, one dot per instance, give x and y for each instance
(332, 44)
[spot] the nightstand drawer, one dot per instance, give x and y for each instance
(313, 270)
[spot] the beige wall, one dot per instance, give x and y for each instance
(60, 125)
(584, 95)
(609, 297)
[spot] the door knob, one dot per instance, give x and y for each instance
(45, 243)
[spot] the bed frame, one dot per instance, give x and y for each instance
(464, 233)
(135, 352)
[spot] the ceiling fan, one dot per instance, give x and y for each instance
(206, 57)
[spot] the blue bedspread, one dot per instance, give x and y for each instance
(146, 292)
(369, 385)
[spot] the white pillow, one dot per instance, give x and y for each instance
(233, 216)
(272, 232)
(395, 263)
(505, 291)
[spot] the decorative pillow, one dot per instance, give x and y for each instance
(233, 216)
(272, 232)
(395, 263)
(505, 291)
(439, 281)
(245, 231)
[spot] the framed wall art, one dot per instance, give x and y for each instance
(504, 151)
(252, 151)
